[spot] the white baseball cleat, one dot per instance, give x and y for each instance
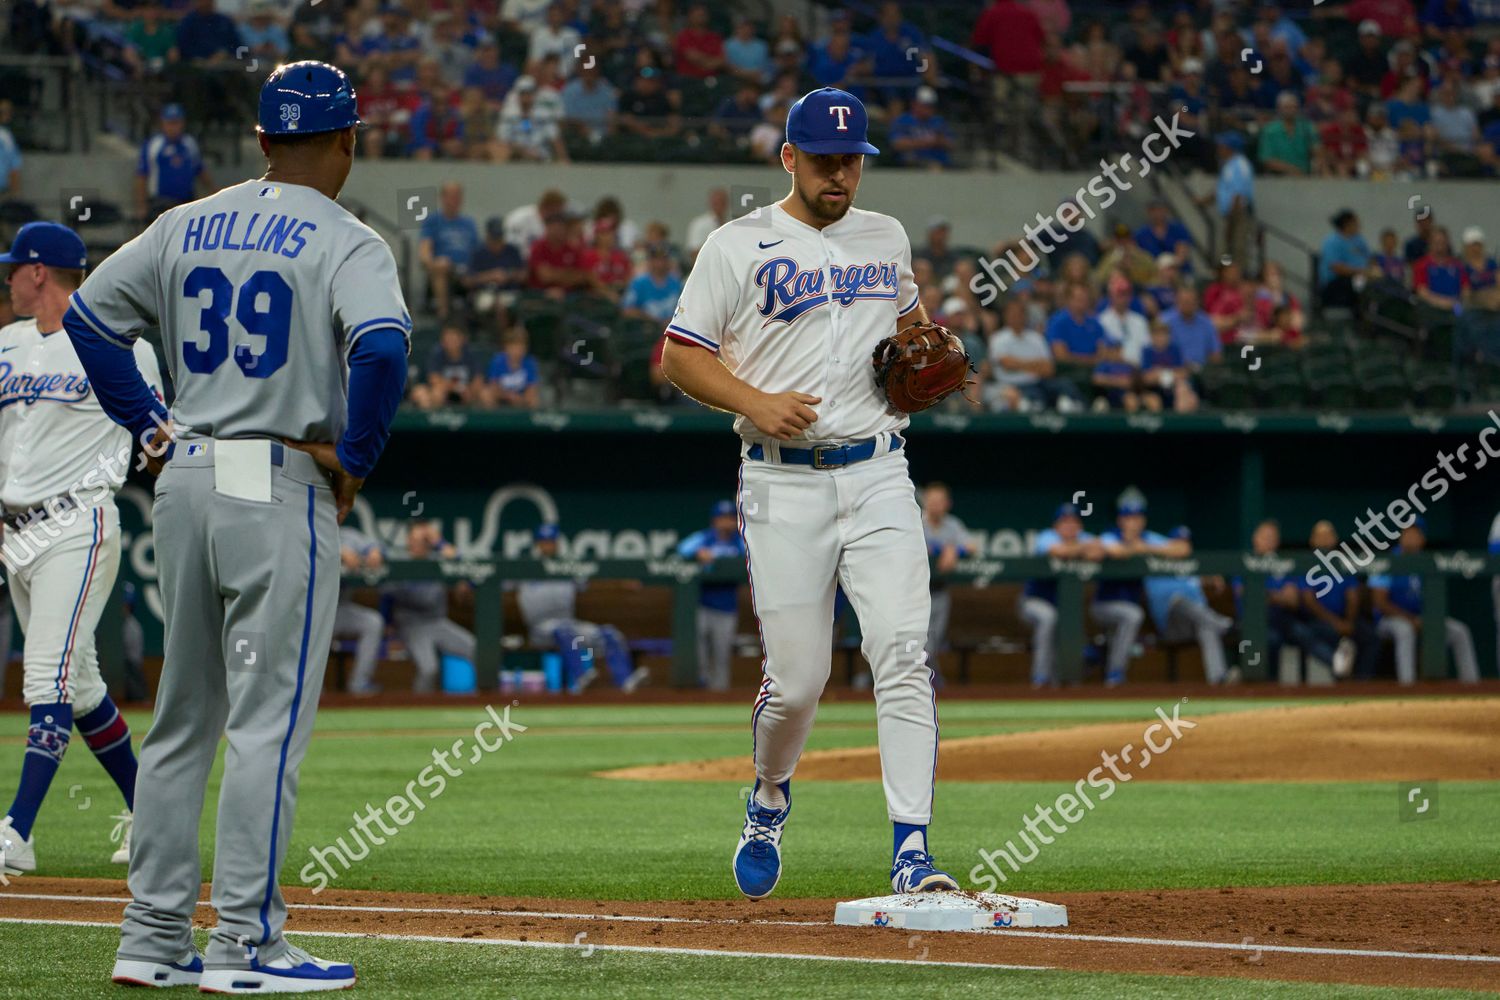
(1343, 658)
(293, 972)
(17, 856)
(186, 971)
(121, 835)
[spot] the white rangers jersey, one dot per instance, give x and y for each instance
(791, 308)
(53, 433)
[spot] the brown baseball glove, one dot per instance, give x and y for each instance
(920, 366)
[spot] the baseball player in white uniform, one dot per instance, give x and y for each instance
(61, 461)
(777, 323)
(286, 335)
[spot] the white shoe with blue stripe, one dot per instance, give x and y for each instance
(186, 971)
(295, 971)
(915, 871)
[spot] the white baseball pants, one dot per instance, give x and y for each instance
(859, 527)
(62, 570)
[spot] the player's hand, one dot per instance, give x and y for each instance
(783, 415)
(155, 453)
(705, 556)
(345, 486)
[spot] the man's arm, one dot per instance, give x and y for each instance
(700, 374)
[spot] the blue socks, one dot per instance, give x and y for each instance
(46, 742)
(107, 735)
(909, 837)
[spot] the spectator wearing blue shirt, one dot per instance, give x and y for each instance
(262, 34)
(1180, 610)
(1117, 603)
(920, 136)
(1066, 539)
(1332, 617)
(1439, 17)
(489, 74)
(1192, 331)
(1074, 333)
(1397, 604)
(496, 274)
(746, 56)
(1164, 380)
(1478, 332)
(898, 52)
(1278, 27)
(654, 295)
(1343, 258)
(737, 114)
(170, 169)
(205, 35)
(1234, 196)
(448, 241)
(396, 47)
(1164, 234)
(718, 603)
(512, 377)
(839, 61)
(589, 102)
(10, 153)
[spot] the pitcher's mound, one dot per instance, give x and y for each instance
(1450, 739)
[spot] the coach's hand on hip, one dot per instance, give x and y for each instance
(345, 486)
(783, 415)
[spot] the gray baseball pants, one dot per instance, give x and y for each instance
(715, 646)
(248, 589)
(366, 627)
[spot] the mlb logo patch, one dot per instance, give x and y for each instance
(196, 449)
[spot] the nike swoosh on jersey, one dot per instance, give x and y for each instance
(12, 347)
(767, 246)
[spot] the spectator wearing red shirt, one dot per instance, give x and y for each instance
(609, 265)
(1344, 144)
(1012, 35)
(1226, 303)
(1331, 96)
(387, 111)
(555, 265)
(1395, 17)
(1439, 278)
(698, 50)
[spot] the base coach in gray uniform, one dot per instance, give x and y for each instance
(286, 334)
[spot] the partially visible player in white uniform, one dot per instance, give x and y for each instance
(61, 461)
(777, 323)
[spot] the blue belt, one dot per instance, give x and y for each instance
(827, 456)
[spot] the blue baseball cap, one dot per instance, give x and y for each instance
(172, 113)
(1066, 510)
(546, 533)
(1183, 532)
(1233, 140)
(724, 508)
(307, 97)
(1131, 507)
(829, 121)
(49, 243)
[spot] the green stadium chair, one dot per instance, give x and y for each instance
(1381, 377)
(1278, 382)
(1329, 383)
(1432, 385)
(1227, 386)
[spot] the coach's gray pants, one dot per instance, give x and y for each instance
(715, 646)
(937, 622)
(1403, 635)
(1188, 620)
(248, 589)
(1042, 617)
(1123, 619)
(366, 627)
(428, 636)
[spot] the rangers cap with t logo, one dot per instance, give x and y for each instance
(829, 121)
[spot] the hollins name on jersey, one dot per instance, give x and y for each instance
(791, 291)
(279, 234)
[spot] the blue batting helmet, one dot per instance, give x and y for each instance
(303, 98)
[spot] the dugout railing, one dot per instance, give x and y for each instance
(1074, 578)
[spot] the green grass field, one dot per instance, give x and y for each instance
(531, 819)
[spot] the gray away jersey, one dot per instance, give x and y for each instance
(259, 291)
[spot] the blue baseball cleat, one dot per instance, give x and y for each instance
(914, 871)
(186, 971)
(757, 859)
(295, 971)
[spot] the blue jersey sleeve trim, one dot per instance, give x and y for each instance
(678, 333)
(97, 324)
